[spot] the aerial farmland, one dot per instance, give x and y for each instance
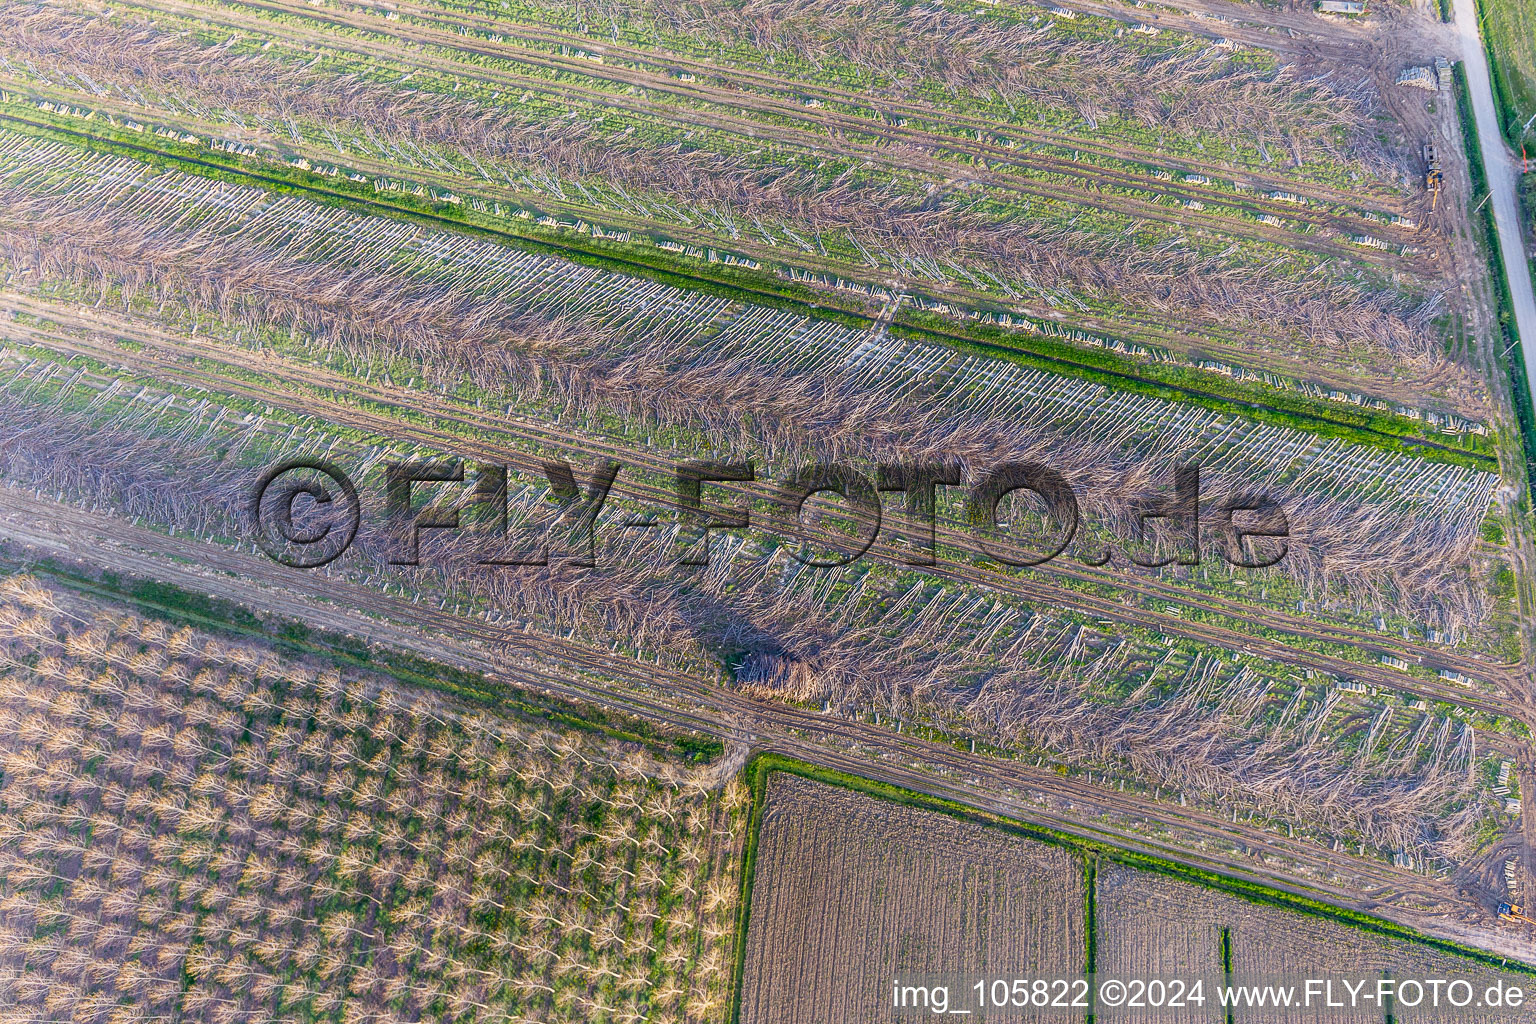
(851, 893)
(1138, 912)
(546, 511)
(200, 825)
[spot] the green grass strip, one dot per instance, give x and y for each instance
(1090, 915)
(756, 771)
(1383, 430)
(1226, 962)
(1090, 922)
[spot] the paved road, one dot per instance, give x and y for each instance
(1502, 168)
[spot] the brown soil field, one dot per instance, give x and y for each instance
(851, 892)
(1150, 925)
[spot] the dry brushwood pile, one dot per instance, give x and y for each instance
(1006, 158)
(173, 336)
(757, 382)
(850, 891)
(196, 829)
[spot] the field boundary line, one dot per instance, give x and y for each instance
(762, 765)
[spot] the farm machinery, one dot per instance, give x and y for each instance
(1514, 912)
(1433, 176)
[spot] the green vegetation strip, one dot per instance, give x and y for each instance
(184, 607)
(1088, 851)
(1519, 383)
(757, 771)
(1505, 28)
(1090, 915)
(1382, 430)
(1090, 921)
(1226, 963)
